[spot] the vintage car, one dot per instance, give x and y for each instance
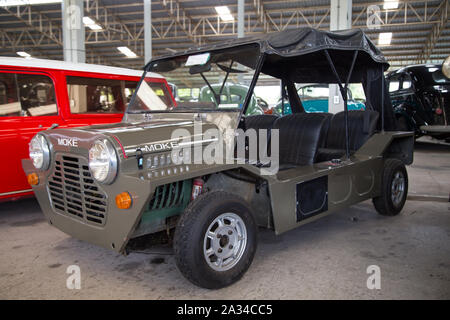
(232, 93)
(314, 98)
(193, 167)
(420, 96)
(38, 94)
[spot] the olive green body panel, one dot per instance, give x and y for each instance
(392, 144)
(349, 182)
(256, 195)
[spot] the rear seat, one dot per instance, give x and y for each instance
(301, 135)
(361, 126)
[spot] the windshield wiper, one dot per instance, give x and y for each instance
(226, 77)
(216, 97)
(227, 70)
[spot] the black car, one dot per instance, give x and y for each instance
(420, 96)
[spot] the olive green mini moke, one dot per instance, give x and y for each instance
(111, 184)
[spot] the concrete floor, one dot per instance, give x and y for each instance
(326, 259)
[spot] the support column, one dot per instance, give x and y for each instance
(241, 22)
(73, 31)
(241, 18)
(340, 15)
(340, 19)
(147, 30)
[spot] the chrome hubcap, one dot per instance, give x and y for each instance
(225, 241)
(397, 188)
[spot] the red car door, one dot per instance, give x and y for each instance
(10, 120)
(37, 109)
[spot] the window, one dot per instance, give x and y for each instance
(406, 84)
(267, 96)
(314, 92)
(188, 94)
(27, 95)
(235, 98)
(37, 95)
(394, 83)
(154, 94)
(9, 99)
(94, 95)
(357, 92)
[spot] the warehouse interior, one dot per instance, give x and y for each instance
(330, 258)
(420, 30)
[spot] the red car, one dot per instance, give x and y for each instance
(38, 94)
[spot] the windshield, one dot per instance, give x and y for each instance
(439, 77)
(209, 81)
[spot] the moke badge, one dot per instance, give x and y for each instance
(68, 142)
(160, 146)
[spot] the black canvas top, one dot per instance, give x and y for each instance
(299, 56)
(302, 42)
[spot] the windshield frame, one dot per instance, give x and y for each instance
(258, 66)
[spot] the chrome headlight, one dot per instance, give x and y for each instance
(39, 151)
(103, 161)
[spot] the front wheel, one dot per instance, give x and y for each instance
(215, 240)
(394, 188)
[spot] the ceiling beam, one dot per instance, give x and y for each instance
(435, 32)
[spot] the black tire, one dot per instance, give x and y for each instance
(384, 204)
(190, 241)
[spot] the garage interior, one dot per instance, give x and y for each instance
(325, 259)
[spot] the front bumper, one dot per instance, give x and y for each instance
(115, 229)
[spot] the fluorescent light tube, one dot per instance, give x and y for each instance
(224, 13)
(126, 51)
(23, 54)
(384, 38)
(91, 24)
(390, 4)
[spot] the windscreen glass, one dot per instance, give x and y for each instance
(209, 81)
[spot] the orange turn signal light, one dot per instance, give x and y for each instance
(123, 200)
(33, 179)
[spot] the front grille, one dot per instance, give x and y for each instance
(171, 195)
(73, 191)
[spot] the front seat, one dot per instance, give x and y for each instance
(258, 122)
(361, 126)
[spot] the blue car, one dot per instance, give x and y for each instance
(314, 98)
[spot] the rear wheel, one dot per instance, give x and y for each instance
(394, 188)
(215, 240)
